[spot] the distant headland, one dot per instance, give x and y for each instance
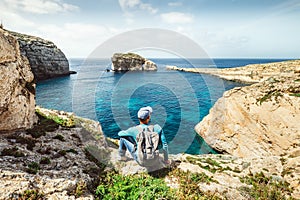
(45, 58)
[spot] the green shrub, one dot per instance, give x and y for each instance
(72, 151)
(80, 189)
(65, 122)
(145, 186)
(295, 94)
(263, 187)
(32, 195)
(45, 160)
(189, 185)
(59, 137)
(14, 151)
(44, 125)
(62, 152)
(33, 168)
(142, 186)
(269, 95)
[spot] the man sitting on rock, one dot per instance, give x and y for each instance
(131, 138)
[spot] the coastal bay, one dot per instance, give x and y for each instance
(56, 154)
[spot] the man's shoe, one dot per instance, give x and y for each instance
(123, 158)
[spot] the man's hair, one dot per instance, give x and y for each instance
(144, 120)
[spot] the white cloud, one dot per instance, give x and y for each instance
(174, 4)
(76, 39)
(136, 5)
(40, 6)
(148, 7)
(177, 18)
(13, 20)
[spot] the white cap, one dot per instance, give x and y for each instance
(144, 112)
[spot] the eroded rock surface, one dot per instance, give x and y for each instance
(55, 161)
(17, 89)
(256, 121)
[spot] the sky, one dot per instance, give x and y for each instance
(222, 28)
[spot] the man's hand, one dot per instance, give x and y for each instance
(167, 162)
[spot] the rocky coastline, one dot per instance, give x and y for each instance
(250, 73)
(49, 154)
(64, 157)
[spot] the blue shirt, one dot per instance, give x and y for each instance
(133, 131)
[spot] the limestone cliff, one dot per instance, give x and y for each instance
(253, 73)
(131, 62)
(17, 90)
(256, 121)
(46, 60)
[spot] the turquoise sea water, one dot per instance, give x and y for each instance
(180, 100)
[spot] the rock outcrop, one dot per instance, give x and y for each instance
(62, 162)
(131, 62)
(17, 89)
(229, 174)
(56, 162)
(46, 60)
(256, 121)
(253, 73)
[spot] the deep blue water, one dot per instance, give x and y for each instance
(180, 100)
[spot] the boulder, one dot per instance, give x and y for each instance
(17, 89)
(131, 62)
(46, 60)
(256, 121)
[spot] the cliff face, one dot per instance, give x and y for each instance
(131, 62)
(257, 120)
(46, 60)
(17, 89)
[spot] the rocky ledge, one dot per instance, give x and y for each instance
(66, 157)
(253, 73)
(46, 60)
(56, 159)
(131, 62)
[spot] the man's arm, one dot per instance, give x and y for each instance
(163, 141)
(131, 132)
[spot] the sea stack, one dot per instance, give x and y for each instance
(131, 62)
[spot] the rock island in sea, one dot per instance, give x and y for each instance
(131, 62)
(48, 154)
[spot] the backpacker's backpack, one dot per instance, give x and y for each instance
(147, 146)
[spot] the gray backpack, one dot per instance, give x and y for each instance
(147, 146)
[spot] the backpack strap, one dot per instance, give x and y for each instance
(149, 127)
